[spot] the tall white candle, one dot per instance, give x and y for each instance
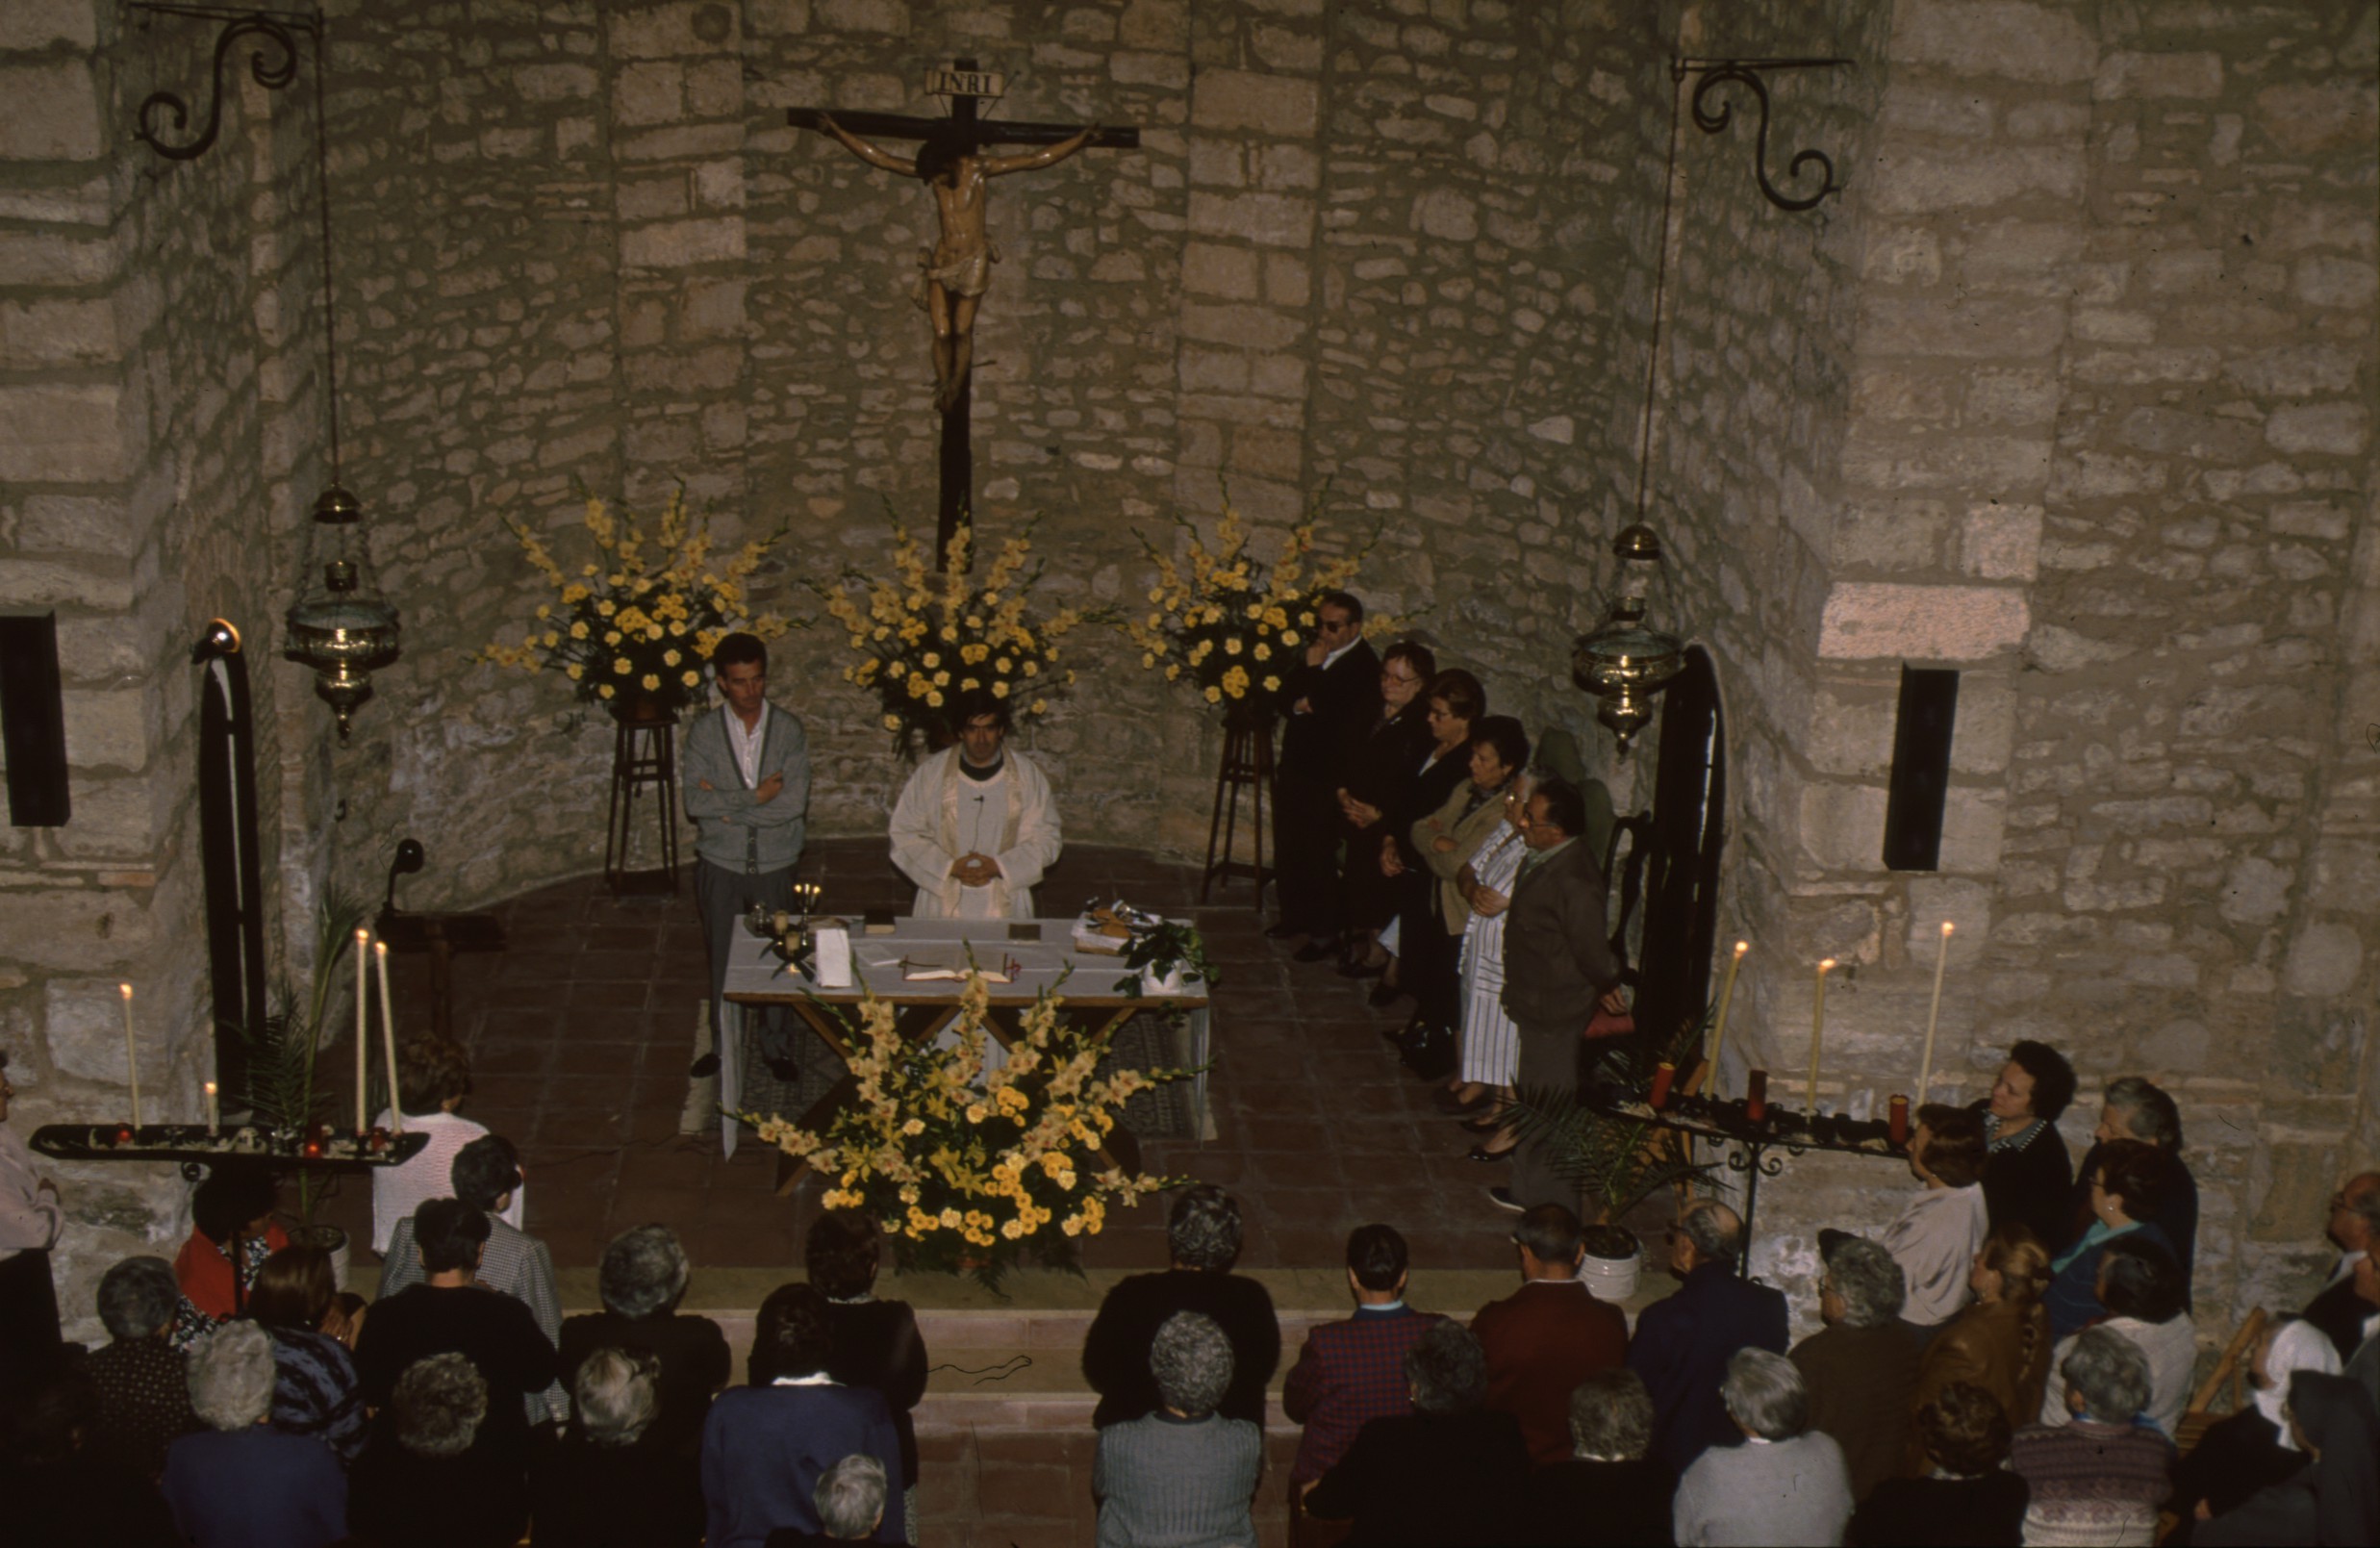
(214, 1115)
(131, 1056)
(363, 1030)
(387, 1034)
(1718, 1027)
(1934, 1014)
(1817, 1029)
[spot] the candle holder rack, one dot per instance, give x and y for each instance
(195, 1145)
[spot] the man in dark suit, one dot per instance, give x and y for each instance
(1549, 1335)
(1353, 1372)
(2354, 1229)
(1328, 702)
(1558, 967)
(1684, 1343)
(1204, 1235)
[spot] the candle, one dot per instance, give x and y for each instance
(1925, 1069)
(1756, 1095)
(131, 1056)
(363, 1030)
(387, 1034)
(1663, 1074)
(1817, 1029)
(1718, 1029)
(215, 1118)
(1897, 1117)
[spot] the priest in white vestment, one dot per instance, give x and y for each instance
(975, 826)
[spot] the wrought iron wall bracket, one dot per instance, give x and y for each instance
(273, 68)
(1712, 117)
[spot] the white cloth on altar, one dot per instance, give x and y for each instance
(943, 815)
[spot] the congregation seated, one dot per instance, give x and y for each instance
(433, 1077)
(1936, 1238)
(2252, 1449)
(437, 1472)
(2125, 1190)
(316, 1389)
(2137, 1109)
(2001, 1342)
(1964, 1497)
(877, 1344)
(449, 1312)
(1202, 1235)
(765, 1444)
(1684, 1343)
(1182, 1474)
(486, 1174)
(58, 1485)
(605, 1482)
(2100, 1477)
(851, 1502)
(232, 1232)
(2140, 1287)
(1609, 1490)
(1858, 1370)
(141, 1380)
(2028, 1177)
(240, 1482)
(1353, 1372)
(2335, 1498)
(1785, 1484)
(2354, 1227)
(642, 1279)
(1451, 1473)
(1549, 1335)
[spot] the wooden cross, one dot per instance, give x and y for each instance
(953, 163)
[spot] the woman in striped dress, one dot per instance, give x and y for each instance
(1490, 1043)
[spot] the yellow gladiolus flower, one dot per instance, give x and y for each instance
(977, 1112)
(621, 667)
(692, 679)
(950, 1220)
(1214, 695)
(914, 1127)
(651, 682)
(574, 671)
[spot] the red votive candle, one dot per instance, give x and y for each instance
(1897, 1115)
(1756, 1095)
(1663, 1074)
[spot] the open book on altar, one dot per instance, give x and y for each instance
(951, 961)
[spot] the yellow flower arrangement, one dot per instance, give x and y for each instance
(924, 635)
(1227, 623)
(970, 1167)
(629, 623)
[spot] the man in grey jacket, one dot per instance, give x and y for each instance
(747, 792)
(1558, 966)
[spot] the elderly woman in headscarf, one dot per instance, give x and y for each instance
(2336, 1499)
(2253, 1449)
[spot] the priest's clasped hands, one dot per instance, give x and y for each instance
(975, 869)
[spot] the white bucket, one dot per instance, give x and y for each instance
(1611, 1279)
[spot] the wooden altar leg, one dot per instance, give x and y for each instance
(1247, 763)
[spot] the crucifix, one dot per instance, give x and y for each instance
(951, 159)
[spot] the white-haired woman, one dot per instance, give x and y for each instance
(606, 1482)
(2099, 1478)
(1184, 1473)
(240, 1482)
(1785, 1484)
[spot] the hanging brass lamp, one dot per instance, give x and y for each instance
(1626, 661)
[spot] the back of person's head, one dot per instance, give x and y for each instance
(1446, 1370)
(2141, 1279)
(437, 1405)
(2053, 1077)
(793, 1335)
(1714, 1229)
(1763, 1393)
(1376, 1255)
(1870, 1282)
(616, 1394)
(231, 1376)
(432, 1072)
(840, 1253)
(1506, 735)
(2109, 1373)
(1204, 1230)
(233, 1196)
(2022, 1263)
(1191, 1360)
(449, 1234)
(644, 1270)
(2137, 1172)
(137, 1297)
(485, 1171)
(850, 1497)
(1956, 1148)
(294, 1289)
(2149, 1113)
(1964, 1430)
(1461, 693)
(1611, 1416)
(1548, 1233)
(1565, 808)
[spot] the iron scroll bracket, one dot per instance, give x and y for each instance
(272, 64)
(1712, 115)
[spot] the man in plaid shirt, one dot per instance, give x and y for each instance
(1353, 1372)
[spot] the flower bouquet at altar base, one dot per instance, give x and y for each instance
(1229, 622)
(634, 624)
(924, 635)
(970, 1169)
